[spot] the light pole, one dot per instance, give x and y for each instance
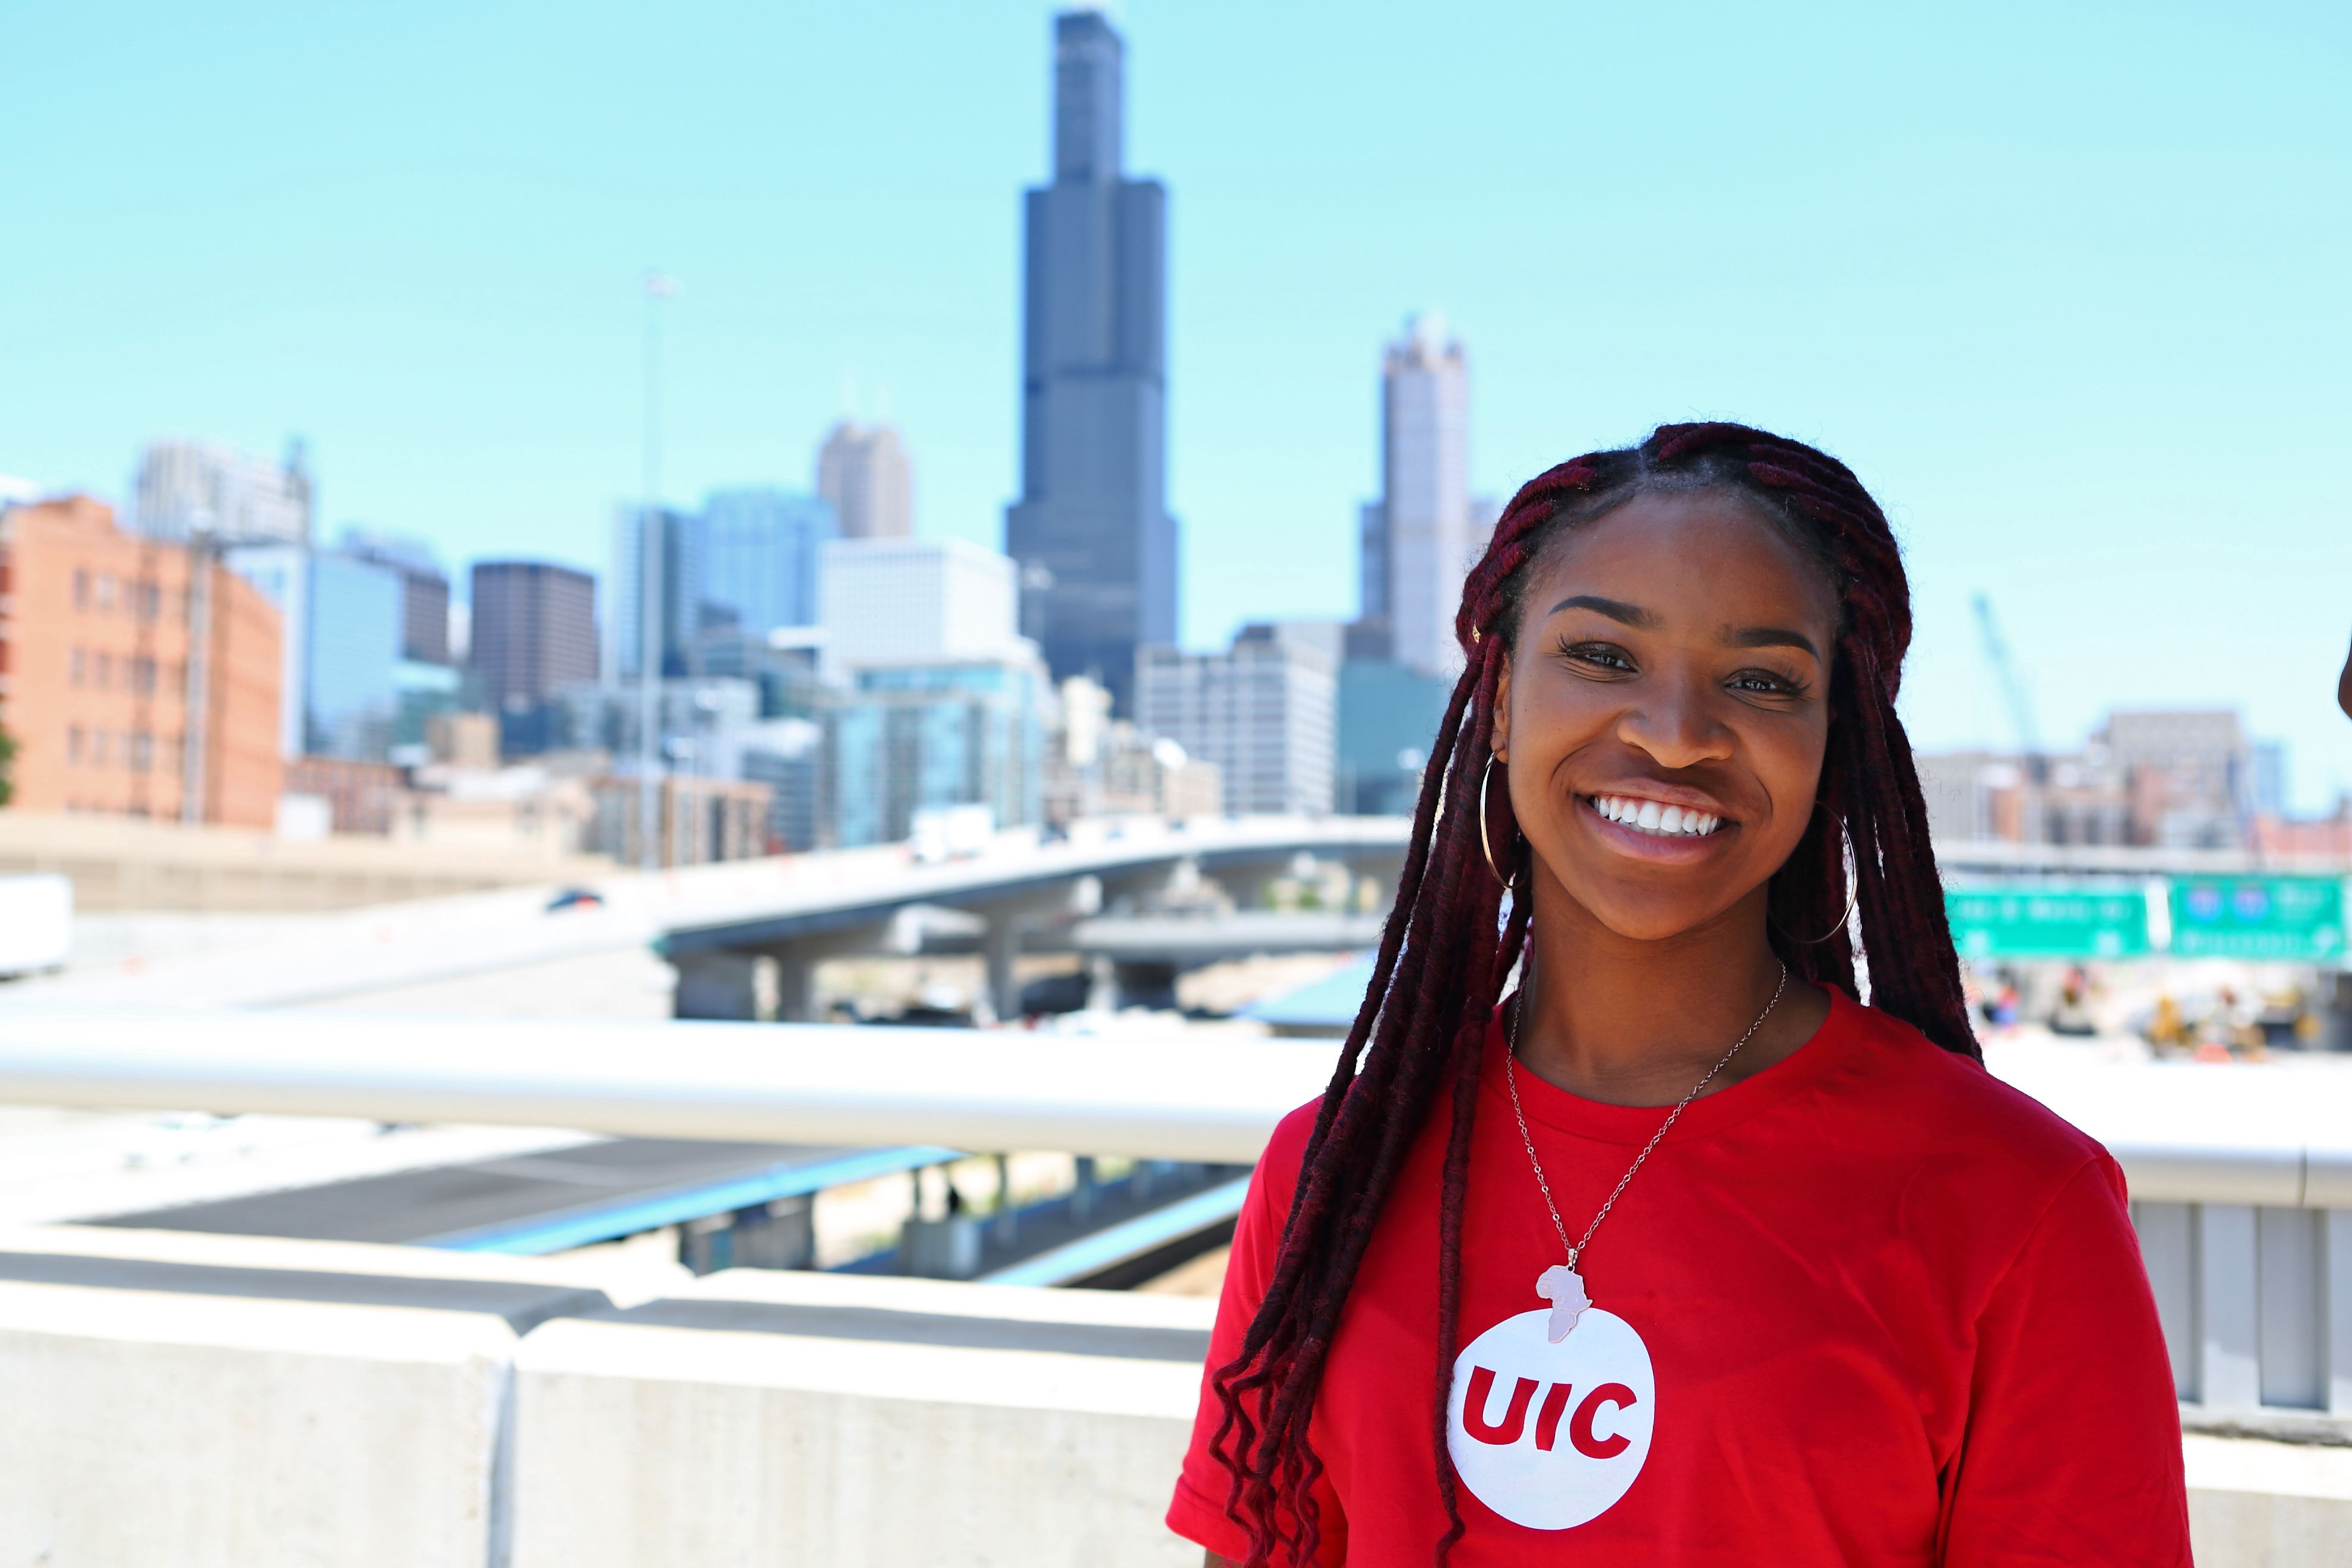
(649, 589)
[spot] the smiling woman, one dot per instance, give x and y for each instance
(1818, 1289)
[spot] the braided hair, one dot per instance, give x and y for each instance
(1420, 1033)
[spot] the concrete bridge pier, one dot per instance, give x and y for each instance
(727, 984)
(1009, 920)
(774, 982)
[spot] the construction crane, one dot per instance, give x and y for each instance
(2021, 707)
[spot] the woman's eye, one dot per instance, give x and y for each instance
(1599, 654)
(1764, 681)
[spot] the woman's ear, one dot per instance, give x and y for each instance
(1502, 743)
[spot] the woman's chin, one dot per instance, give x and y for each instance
(1646, 913)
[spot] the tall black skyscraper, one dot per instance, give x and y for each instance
(1091, 531)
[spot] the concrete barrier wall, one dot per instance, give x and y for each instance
(812, 1419)
(2256, 1504)
(223, 1432)
(226, 1402)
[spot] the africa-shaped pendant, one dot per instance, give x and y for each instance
(1564, 1288)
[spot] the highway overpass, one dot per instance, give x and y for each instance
(728, 928)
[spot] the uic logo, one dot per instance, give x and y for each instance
(1574, 1420)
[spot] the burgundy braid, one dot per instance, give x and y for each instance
(1422, 1029)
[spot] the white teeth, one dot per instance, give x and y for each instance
(1651, 816)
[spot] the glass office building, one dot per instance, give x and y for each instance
(342, 681)
(351, 705)
(915, 737)
(758, 559)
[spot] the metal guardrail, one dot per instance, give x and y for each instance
(2184, 1132)
(1156, 1096)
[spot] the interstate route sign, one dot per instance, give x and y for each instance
(2293, 918)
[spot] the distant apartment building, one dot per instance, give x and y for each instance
(534, 631)
(2190, 775)
(102, 685)
(1263, 713)
(2177, 780)
(863, 474)
(184, 489)
(788, 756)
(1097, 765)
(361, 796)
(2074, 798)
(698, 820)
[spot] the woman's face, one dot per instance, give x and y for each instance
(1665, 710)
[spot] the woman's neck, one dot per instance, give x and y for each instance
(1630, 1022)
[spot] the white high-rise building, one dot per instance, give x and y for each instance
(863, 470)
(1425, 524)
(885, 602)
(189, 486)
(1265, 711)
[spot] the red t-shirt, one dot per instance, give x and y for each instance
(1869, 1306)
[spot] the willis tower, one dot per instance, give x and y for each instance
(1091, 531)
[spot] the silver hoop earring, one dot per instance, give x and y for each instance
(1853, 891)
(1486, 840)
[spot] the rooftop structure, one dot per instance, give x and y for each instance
(188, 487)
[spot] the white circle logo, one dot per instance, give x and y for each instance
(1550, 1436)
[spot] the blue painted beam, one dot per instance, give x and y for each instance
(563, 1229)
(1129, 1238)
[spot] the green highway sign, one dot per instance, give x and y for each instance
(2034, 920)
(2297, 919)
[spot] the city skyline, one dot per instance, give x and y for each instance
(2041, 277)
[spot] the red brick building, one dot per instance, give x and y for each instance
(94, 688)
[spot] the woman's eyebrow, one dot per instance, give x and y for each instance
(1615, 609)
(1767, 637)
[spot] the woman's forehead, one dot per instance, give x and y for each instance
(1700, 553)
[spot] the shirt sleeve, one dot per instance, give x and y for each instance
(1197, 1512)
(2072, 1449)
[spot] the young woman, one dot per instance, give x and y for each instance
(1681, 1255)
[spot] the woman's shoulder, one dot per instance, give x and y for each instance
(1949, 1105)
(1286, 1153)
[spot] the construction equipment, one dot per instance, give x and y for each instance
(2020, 706)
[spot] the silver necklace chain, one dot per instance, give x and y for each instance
(1511, 1070)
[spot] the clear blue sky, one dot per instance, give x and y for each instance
(2067, 285)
